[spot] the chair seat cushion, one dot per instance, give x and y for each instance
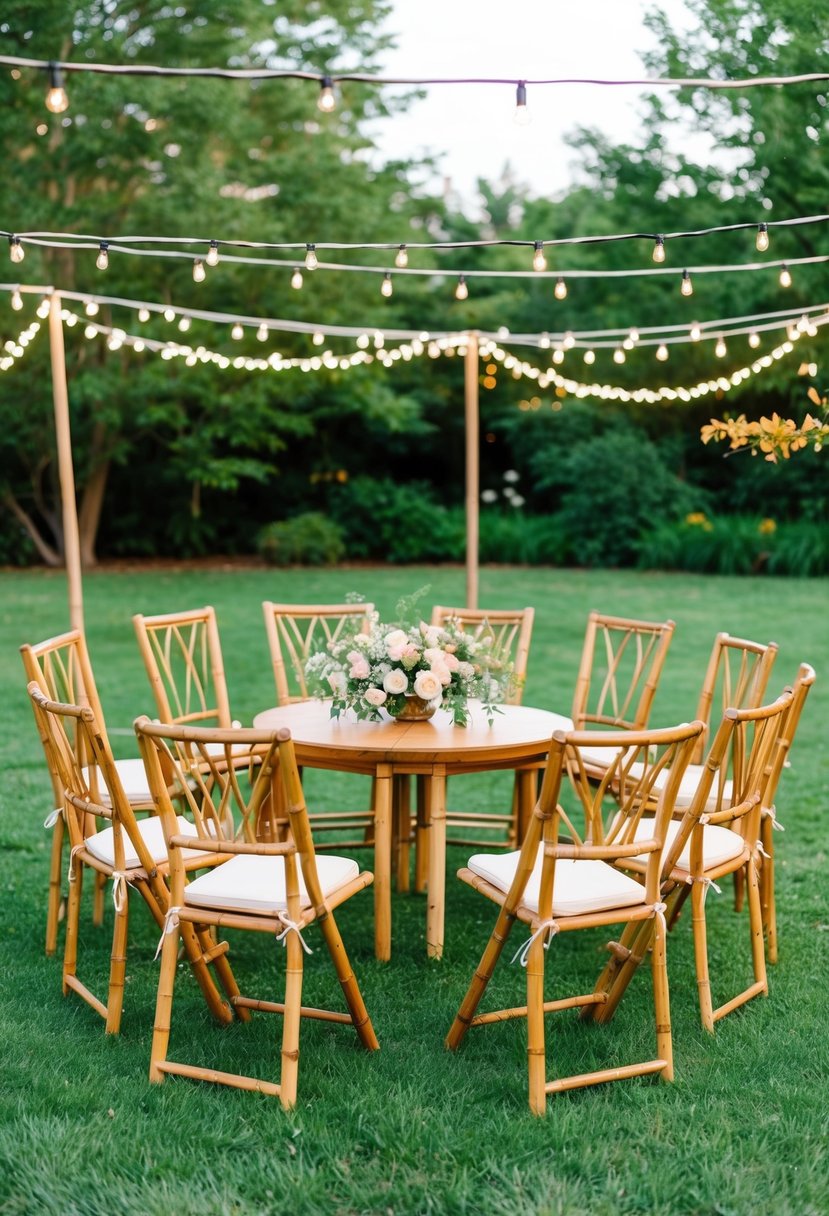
(719, 845)
(249, 883)
(134, 780)
(102, 845)
(580, 886)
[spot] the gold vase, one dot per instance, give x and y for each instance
(415, 709)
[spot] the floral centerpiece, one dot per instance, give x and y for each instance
(410, 670)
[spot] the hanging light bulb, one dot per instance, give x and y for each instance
(43, 308)
(237, 333)
(16, 300)
(402, 258)
(662, 352)
(522, 114)
(296, 279)
(720, 350)
(199, 272)
(618, 355)
(91, 308)
(318, 339)
(785, 276)
(212, 256)
(633, 336)
(696, 332)
(56, 98)
(326, 100)
(461, 291)
(558, 355)
(560, 290)
(90, 331)
(792, 332)
(659, 249)
(311, 262)
(143, 313)
(762, 241)
(539, 260)
(544, 341)
(686, 286)
(568, 341)
(386, 287)
(754, 339)
(102, 260)
(16, 251)
(590, 356)
(262, 332)
(184, 324)
(363, 341)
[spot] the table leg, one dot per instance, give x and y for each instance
(436, 891)
(382, 862)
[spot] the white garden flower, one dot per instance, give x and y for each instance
(427, 685)
(395, 681)
(374, 696)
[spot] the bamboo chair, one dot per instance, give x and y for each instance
(183, 658)
(769, 820)
(277, 886)
(510, 631)
(719, 834)
(62, 668)
(558, 883)
(294, 633)
(130, 852)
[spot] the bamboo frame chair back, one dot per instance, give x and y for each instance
(621, 663)
(296, 631)
(183, 658)
(62, 669)
(510, 631)
(736, 678)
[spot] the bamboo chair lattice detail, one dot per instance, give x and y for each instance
(273, 886)
(555, 884)
(130, 852)
(295, 632)
(718, 834)
(62, 669)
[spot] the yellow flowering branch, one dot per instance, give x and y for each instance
(776, 437)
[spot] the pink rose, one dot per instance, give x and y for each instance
(359, 669)
(427, 685)
(374, 696)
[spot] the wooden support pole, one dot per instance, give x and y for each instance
(472, 468)
(69, 508)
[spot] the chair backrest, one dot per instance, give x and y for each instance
(296, 631)
(736, 678)
(77, 784)
(788, 728)
(183, 658)
(621, 662)
(265, 814)
(735, 774)
(644, 769)
(62, 668)
(510, 631)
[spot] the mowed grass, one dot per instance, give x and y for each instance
(412, 1128)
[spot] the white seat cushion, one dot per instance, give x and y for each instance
(102, 846)
(134, 780)
(249, 883)
(236, 749)
(719, 845)
(580, 886)
(599, 757)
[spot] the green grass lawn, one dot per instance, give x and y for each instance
(412, 1128)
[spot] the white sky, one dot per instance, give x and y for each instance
(516, 39)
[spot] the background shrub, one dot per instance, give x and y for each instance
(310, 539)
(397, 522)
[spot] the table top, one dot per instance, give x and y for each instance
(517, 731)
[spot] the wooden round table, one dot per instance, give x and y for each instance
(518, 738)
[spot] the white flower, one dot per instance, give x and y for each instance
(517, 500)
(362, 639)
(374, 696)
(512, 475)
(466, 671)
(489, 496)
(337, 681)
(443, 673)
(396, 642)
(431, 634)
(427, 685)
(395, 681)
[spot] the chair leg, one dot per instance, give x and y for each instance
(164, 1004)
(70, 945)
(482, 976)
(291, 1021)
(739, 890)
(55, 879)
(700, 932)
(117, 969)
(98, 901)
(619, 970)
(661, 999)
(755, 917)
(196, 941)
(536, 1054)
(348, 983)
(767, 895)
